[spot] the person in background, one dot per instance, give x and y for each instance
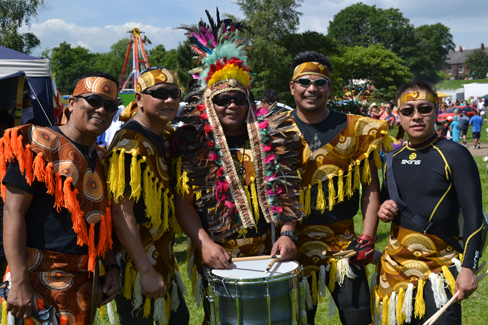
(375, 112)
(455, 129)
(476, 122)
(388, 116)
(464, 125)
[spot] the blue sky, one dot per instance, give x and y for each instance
(98, 24)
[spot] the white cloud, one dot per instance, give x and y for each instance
(99, 39)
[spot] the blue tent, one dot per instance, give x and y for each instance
(15, 67)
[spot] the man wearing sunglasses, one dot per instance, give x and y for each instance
(433, 250)
(57, 211)
(139, 169)
(339, 153)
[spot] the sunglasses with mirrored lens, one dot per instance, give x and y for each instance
(304, 82)
(227, 100)
(95, 101)
(409, 111)
(163, 93)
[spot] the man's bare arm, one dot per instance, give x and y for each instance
(127, 231)
(213, 254)
(21, 297)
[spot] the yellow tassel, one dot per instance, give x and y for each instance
(401, 298)
(357, 177)
(166, 210)
(121, 175)
(419, 300)
(387, 141)
(449, 278)
(113, 178)
(376, 157)
(386, 306)
(254, 195)
(4, 313)
(308, 200)
(176, 225)
(332, 274)
(375, 300)
(315, 292)
(340, 186)
(198, 194)
(366, 170)
(320, 204)
(147, 307)
(242, 232)
(332, 193)
(135, 177)
(167, 306)
(129, 278)
(182, 179)
(349, 182)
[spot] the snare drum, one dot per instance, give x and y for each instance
(246, 295)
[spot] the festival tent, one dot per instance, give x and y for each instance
(14, 68)
(485, 97)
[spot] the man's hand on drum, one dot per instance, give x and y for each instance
(388, 210)
(285, 247)
(215, 256)
(152, 284)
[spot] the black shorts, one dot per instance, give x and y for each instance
(464, 132)
(476, 135)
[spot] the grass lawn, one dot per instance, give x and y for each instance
(455, 84)
(475, 309)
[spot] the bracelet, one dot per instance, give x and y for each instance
(111, 267)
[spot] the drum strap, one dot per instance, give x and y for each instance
(424, 225)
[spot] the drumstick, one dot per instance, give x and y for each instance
(342, 254)
(252, 258)
(270, 265)
(438, 314)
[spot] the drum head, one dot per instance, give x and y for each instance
(255, 269)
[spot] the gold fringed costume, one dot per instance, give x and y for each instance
(410, 260)
(149, 179)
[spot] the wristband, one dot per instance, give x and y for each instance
(111, 267)
(290, 234)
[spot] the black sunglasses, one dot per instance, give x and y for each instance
(163, 93)
(226, 100)
(95, 101)
(409, 111)
(304, 82)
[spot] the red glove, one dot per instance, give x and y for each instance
(364, 246)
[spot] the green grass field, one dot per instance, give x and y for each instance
(475, 309)
(455, 84)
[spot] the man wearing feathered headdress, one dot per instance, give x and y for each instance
(57, 211)
(339, 153)
(138, 176)
(236, 173)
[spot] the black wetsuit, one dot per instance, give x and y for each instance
(436, 179)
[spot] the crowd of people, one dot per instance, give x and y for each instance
(239, 180)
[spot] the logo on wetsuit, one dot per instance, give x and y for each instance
(412, 160)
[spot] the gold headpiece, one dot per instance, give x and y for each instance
(97, 85)
(416, 95)
(156, 76)
(313, 68)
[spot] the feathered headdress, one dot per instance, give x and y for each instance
(220, 53)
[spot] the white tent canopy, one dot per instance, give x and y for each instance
(12, 62)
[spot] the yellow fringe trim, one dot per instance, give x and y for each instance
(377, 300)
(332, 193)
(315, 292)
(340, 186)
(147, 307)
(419, 300)
(320, 204)
(255, 202)
(113, 173)
(102, 311)
(386, 305)
(366, 170)
(130, 276)
(349, 182)
(449, 278)
(357, 176)
(121, 170)
(135, 177)
(182, 179)
(401, 317)
(242, 232)
(332, 274)
(166, 210)
(376, 157)
(4, 313)
(198, 194)
(308, 199)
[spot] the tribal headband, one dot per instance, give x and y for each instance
(313, 68)
(416, 95)
(156, 76)
(97, 85)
